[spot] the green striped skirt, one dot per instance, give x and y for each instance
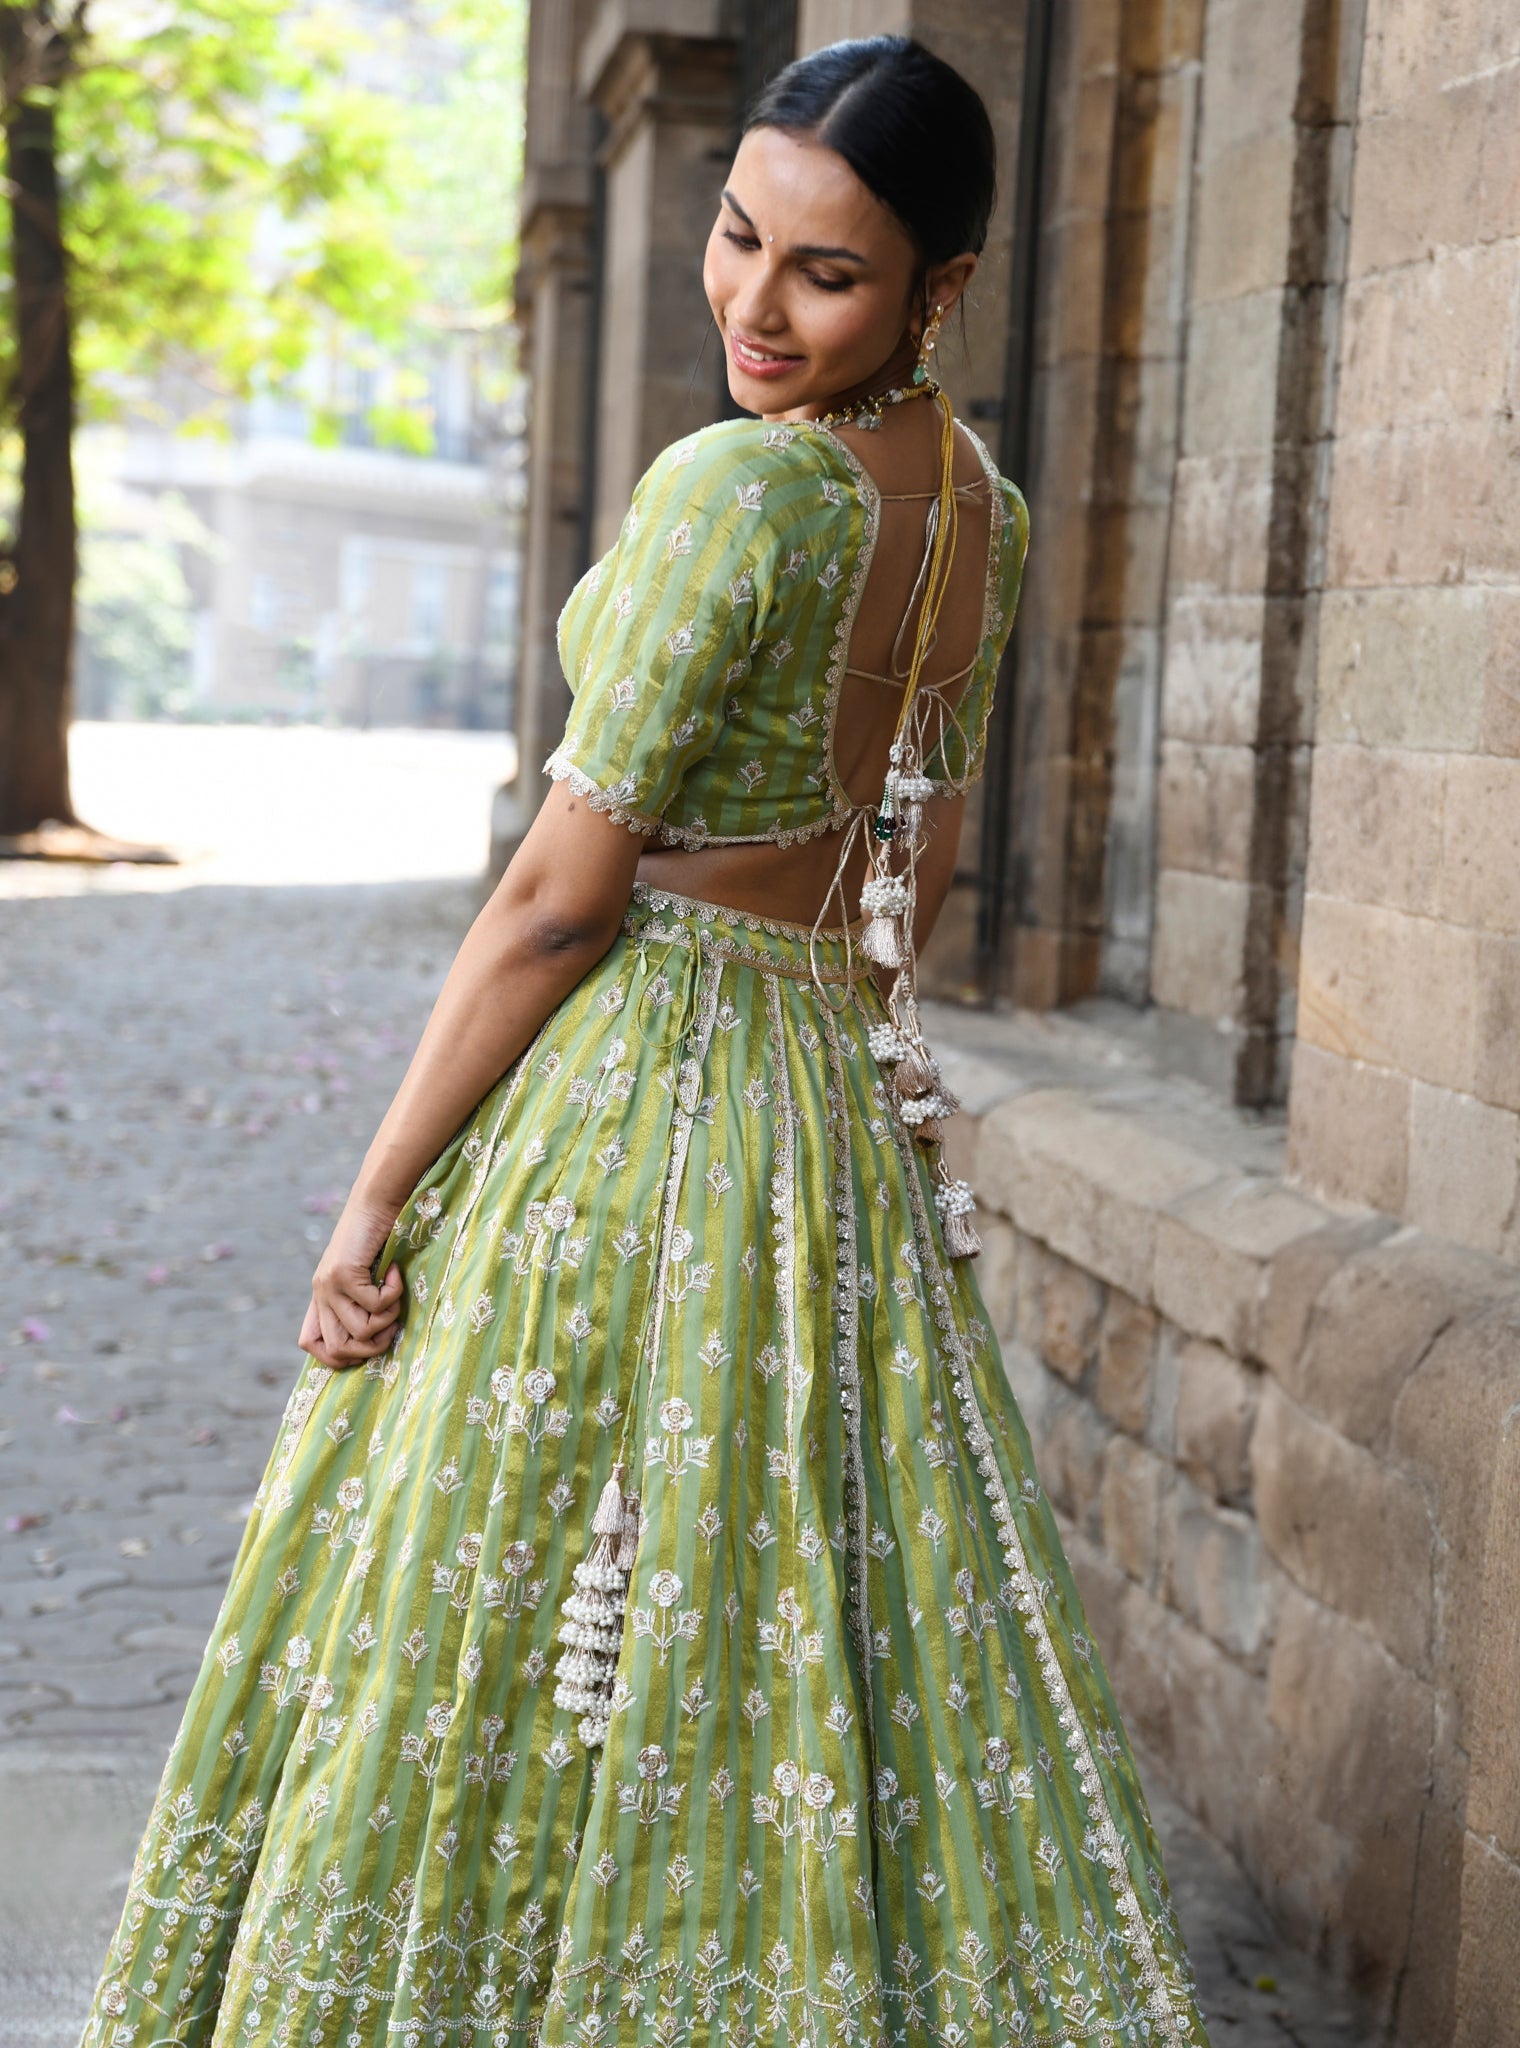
(863, 1782)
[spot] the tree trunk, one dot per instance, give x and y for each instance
(37, 580)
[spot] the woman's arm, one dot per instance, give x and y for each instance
(552, 917)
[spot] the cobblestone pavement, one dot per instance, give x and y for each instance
(188, 1079)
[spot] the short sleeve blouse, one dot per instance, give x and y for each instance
(706, 649)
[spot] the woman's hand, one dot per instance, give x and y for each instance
(350, 1319)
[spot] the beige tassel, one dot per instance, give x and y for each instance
(882, 941)
(916, 1073)
(628, 1531)
(961, 1240)
(955, 1202)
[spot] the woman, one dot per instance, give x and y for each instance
(650, 1627)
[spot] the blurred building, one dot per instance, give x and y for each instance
(1240, 896)
(358, 584)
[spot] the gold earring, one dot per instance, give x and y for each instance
(921, 371)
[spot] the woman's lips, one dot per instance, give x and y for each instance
(757, 361)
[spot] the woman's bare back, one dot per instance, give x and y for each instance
(902, 458)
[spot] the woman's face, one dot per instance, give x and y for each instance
(810, 278)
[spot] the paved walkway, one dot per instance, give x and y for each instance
(189, 1075)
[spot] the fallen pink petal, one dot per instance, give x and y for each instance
(156, 1276)
(35, 1330)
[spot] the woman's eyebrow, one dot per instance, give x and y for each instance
(817, 249)
(814, 249)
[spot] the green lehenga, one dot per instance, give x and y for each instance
(864, 1781)
(863, 1785)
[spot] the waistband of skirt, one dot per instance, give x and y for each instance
(770, 944)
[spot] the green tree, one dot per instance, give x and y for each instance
(193, 186)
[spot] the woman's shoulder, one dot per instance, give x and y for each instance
(1014, 505)
(741, 463)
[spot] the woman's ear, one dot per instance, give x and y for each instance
(947, 281)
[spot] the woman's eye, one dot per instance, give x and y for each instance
(740, 241)
(827, 284)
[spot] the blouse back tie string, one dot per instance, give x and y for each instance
(889, 897)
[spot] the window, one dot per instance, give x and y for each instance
(430, 598)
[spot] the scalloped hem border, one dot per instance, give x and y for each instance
(560, 768)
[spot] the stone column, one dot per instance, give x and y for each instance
(667, 102)
(1109, 339)
(1246, 555)
(554, 293)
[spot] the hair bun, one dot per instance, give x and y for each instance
(911, 128)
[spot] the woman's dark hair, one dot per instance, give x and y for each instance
(908, 125)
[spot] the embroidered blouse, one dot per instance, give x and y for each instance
(706, 650)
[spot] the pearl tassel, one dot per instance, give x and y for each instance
(592, 1631)
(885, 899)
(955, 1202)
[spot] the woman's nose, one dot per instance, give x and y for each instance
(756, 305)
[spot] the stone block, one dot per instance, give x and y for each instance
(1030, 1262)
(1377, 1319)
(1402, 668)
(1348, 1128)
(1198, 952)
(1488, 1958)
(1142, 1664)
(1211, 683)
(1070, 318)
(1376, 826)
(1161, 1425)
(1418, 182)
(1035, 1389)
(1497, 1028)
(1230, 407)
(1071, 1461)
(1135, 1482)
(1365, 990)
(1217, 1575)
(1414, 53)
(1450, 1428)
(1430, 342)
(1356, 1734)
(1417, 530)
(1216, 1411)
(1085, 1181)
(1212, 1250)
(1346, 1528)
(996, 1272)
(1080, 169)
(1464, 1168)
(1222, 1756)
(1296, 1277)
(1205, 806)
(1245, 213)
(1480, 867)
(1250, 84)
(1372, 1323)
(1071, 1310)
(1501, 675)
(1221, 512)
(1126, 1361)
(1101, 1588)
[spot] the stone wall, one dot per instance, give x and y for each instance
(1406, 1088)
(1284, 1441)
